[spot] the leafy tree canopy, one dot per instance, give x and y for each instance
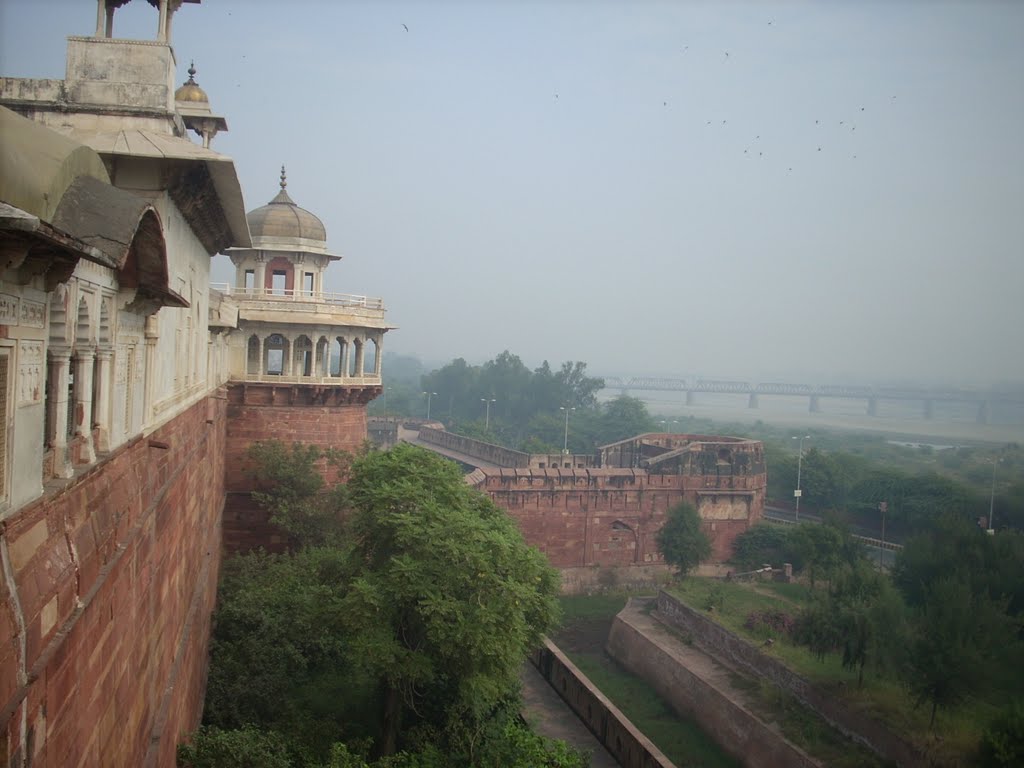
(682, 540)
(400, 618)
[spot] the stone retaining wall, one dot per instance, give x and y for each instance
(625, 743)
(741, 654)
(694, 695)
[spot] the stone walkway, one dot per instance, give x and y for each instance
(549, 716)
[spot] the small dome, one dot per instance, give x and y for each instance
(190, 90)
(282, 220)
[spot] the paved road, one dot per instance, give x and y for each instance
(549, 716)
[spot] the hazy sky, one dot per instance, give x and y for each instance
(792, 191)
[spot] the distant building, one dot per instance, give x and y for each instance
(605, 510)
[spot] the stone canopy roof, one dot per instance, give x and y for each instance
(281, 221)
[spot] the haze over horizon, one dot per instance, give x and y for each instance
(788, 191)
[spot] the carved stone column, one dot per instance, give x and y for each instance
(161, 32)
(260, 281)
(102, 415)
(149, 374)
(359, 359)
(57, 430)
(85, 359)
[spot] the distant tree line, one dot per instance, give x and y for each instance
(854, 485)
(505, 402)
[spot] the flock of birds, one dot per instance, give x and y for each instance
(753, 148)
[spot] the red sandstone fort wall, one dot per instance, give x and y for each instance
(343, 427)
(610, 517)
(114, 580)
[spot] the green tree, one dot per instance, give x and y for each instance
(871, 617)
(577, 389)
(761, 544)
(682, 540)
(427, 591)
(1003, 743)
(280, 651)
(955, 640)
(820, 549)
(290, 485)
(818, 627)
(445, 600)
(861, 616)
(246, 747)
(623, 417)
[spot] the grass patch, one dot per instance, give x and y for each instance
(576, 607)
(682, 740)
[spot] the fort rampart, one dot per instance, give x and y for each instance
(108, 587)
(606, 511)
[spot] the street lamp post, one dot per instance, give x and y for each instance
(487, 411)
(429, 395)
(992, 499)
(799, 466)
(565, 439)
(883, 507)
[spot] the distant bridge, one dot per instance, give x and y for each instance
(982, 399)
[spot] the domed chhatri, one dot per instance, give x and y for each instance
(290, 329)
(283, 223)
(192, 103)
(190, 92)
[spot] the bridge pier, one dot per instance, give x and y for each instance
(752, 400)
(691, 397)
(929, 409)
(983, 412)
(872, 406)
(814, 406)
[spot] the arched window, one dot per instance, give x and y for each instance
(275, 354)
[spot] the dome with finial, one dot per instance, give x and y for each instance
(190, 90)
(282, 223)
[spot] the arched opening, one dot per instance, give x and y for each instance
(335, 356)
(371, 362)
(323, 359)
(274, 355)
(302, 363)
(280, 277)
(252, 356)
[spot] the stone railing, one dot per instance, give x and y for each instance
(629, 747)
(366, 380)
(737, 652)
(293, 296)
